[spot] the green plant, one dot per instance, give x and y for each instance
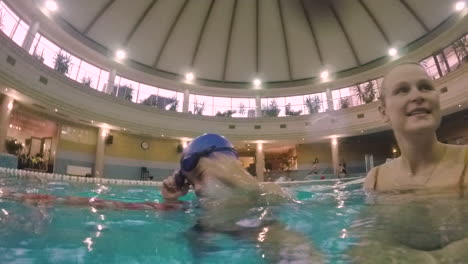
(366, 93)
(272, 109)
(290, 112)
(241, 109)
(227, 113)
(62, 62)
(460, 47)
(123, 91)
(313, 104)
(87, 81)
(13, 147)
(174, 104)
(344, 102)
(198, 108)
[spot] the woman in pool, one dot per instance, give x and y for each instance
(410, 105)
(417, 219)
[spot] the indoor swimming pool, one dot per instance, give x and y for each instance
(337, 218)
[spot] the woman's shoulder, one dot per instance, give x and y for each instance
(374, 174)
(457, 152)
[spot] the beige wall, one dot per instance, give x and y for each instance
(129, 146)
(306, 154)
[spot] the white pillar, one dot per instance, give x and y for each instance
(329, 100)
(29, 39)
(100, 150)
(335, 154)
(185, 105)
(5, 114)
(258, 106)
(260, 162)
(111, 81)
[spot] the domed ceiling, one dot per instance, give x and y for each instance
(235, 41)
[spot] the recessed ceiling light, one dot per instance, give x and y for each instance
(162, 135)
(459, 105)
(56, 110)
(51, 6)
(460, 5)
(10, 105)
(392, 52)
(324, 74)
(120, 54)
(92, 121)
(189, 76)
(257, 82)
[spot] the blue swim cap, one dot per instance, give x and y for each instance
(202, 146)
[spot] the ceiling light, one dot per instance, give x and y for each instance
(51, 6)
(460, 5)
(189, 76)
(92, 121)
(56, 110)
(10, 105)
(120, 54)
(459, 105)
(257, 82)
(392, 52)
(324, 74)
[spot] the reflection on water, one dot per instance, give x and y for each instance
(339, 221)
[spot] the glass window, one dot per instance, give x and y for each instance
(9, 20)
(222, 105)
(103, 79)
(431, 68)
(88, 75)
(167, 99)
(452, 58)
(126, 89)
(243, 107)
(146, 93)
(295, 105)
(46, 51)
(73, 66)
(20, 33)
(201, 104)
(443, 66)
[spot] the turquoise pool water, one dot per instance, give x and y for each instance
(330, 215)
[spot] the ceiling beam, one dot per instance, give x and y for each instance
(169, 33)
(228, 46)
(97, 16)
(285, 37)
(312, 31)
(138, 23)
(343, 29)
(200, 34)
(257, 36)
(415, 15)
(376, 23)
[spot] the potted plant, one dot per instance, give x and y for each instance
(461, 49)
(123, 91)
(227, 113)
(241, 109)
(313, 104)
(39, 57)
(366, 93)
(198, 108)
(272, 109)
(62, 62)
(173, 105)
(290, 112)
(13, 147)
(344, 102)
(87, 81)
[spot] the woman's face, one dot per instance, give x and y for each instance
(411, 103)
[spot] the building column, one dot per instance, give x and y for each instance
(5, 114)
(111, 81)
(335, 154)
(100, 150)
(29, 39)
(185, 105)
(260, 162)
(329, 100)
(258, 106)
